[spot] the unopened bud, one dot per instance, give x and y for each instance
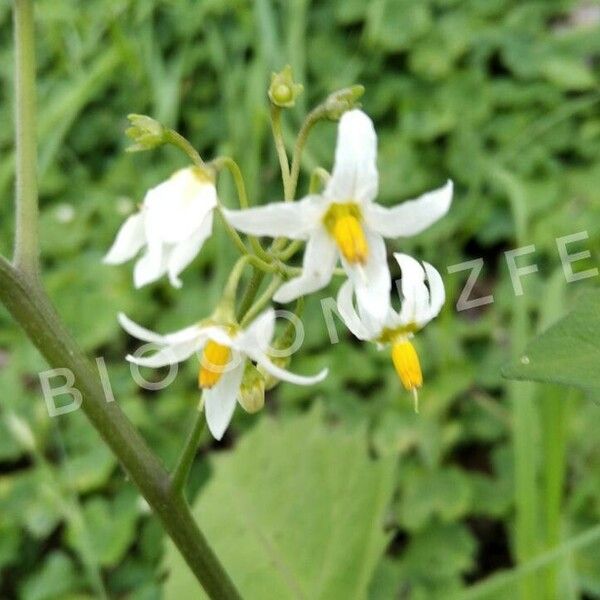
(283, 91)
(343, 100)
(145, 132)
(252, 390)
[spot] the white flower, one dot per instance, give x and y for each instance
(225, 351)
(173, 223)
(344, 221)
(420, 304)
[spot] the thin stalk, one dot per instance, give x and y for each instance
(177, 140)
(186, 458)
(313, 117)
(33, 311)
(27, 236)
(262, 301)
(284, 164)
(232, 233)
(238, 179)
(250, 293)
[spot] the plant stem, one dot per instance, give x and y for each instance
(264, 299)
(284, 164)
(250, 293)
(26, 236)
(177, 140)
(313, 117)
(32, 309)
(186, 458)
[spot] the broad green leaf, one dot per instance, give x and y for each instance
(295, 511)
(55, 579)
(568, 353)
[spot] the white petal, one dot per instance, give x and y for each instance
(258, 334)
(436, 290)
(354, 175)
(320, 257)
(151, 266)
(415, 303)
(185, 252)
(176, 208)
(294, 220)
(220, 400)
(139, 332)
(348, 313)
(372, 282)
(129, 241)
(279, 373)
(410, 217)
(193, 332)
(169, 355)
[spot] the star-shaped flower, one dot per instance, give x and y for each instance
(173, 223)
(225, 353)
(344, 221)
(420, 304)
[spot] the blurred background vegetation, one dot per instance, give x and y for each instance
(500, 95)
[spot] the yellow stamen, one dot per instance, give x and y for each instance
(407, 365)
(214, 362)
(343, 221)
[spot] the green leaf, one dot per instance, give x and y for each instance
(56, 578)
(296, 510)
(568, 353)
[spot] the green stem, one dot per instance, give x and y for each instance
(238, 179)
(250, 293)
(177, 140)
(284, 164)
(318, 178)
(313, 117)
(232, 233)
(32, 309)
(27, 237)
(186, 459)
(262, 301)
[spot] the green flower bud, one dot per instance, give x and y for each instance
(145, 132)
(343, 100)
(252, 390)
(283, 91)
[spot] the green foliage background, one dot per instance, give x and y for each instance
(502, 96)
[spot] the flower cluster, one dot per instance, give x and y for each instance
(342, 223)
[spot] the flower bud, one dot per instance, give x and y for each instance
(252, 390)
(283, 91)
(343, 100)
(145, 132)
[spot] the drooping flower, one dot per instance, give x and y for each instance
(173, 223)
(225, 352)
(344, 221)
(421, 303)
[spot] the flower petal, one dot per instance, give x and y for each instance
(129, 241)
(294, 220)
(193, 332)
(348, 312)
(168, 355)
(415, 303)
(320, 257)
(258, 334)
(220, 400)
(354, 175)
(185, 252)
(410, 217)
(436, 290)
(139, 332)
(372, 282)
(177, 207)
(151, 266)
(284, 375)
